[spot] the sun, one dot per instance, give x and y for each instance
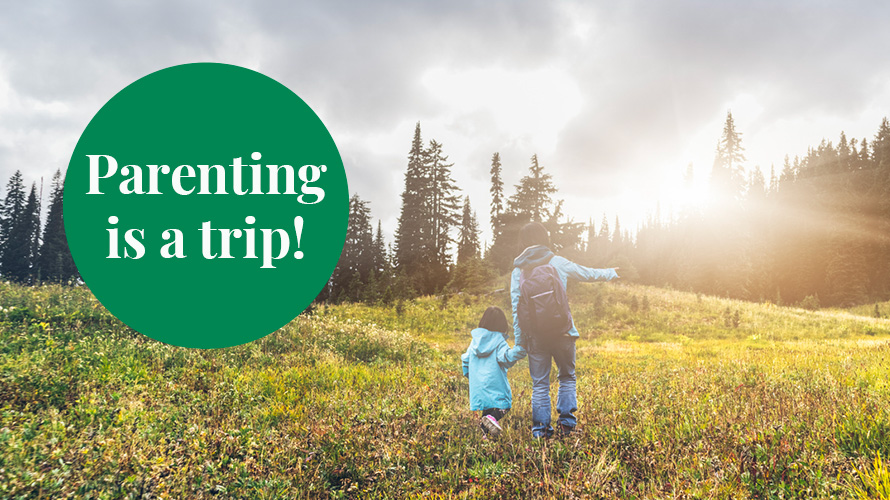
(679, 196)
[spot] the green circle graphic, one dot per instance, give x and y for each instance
(206, 205)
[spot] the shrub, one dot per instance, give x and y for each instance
(810, 302)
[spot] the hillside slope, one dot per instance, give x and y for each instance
(679, 395)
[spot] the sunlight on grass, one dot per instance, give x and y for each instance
(679, 395)
(875, 481)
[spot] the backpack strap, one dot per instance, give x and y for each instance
(523, 300)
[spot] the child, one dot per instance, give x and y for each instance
(485, 363)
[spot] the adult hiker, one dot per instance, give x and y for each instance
(542, 323)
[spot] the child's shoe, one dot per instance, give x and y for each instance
(565, 430)
(491, 426)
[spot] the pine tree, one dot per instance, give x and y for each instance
(844, 156)
(591, 239)
(728, 175)
(565, 237)
(846, 273)
(533, 201)
(723, 255)
(756, 190)
(534, 194)
(604, 229)
(429, 213)
(382, 272)
(613, 245)
(16, 238)
(31, 233)
(470, 274)
(443, 203)
(880, 146)
(13, 205)
(600, 250)
(788, 174)
(617, 239)
(864, 156)
(468, 243)
(497, 195)
(356, 260)
(854, 154)
(412, 241)
(54, 262)
(378, 255)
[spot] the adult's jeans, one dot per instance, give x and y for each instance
(542, 354)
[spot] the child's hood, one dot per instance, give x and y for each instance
(485, 342)
(533, 257)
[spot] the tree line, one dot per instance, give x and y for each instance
(814, 233)
(437, 246)
(33, 251)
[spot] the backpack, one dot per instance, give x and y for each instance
(543, 310)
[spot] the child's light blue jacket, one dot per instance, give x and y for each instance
(535, 256)
(485, 363)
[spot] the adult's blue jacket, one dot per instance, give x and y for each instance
(537, 255)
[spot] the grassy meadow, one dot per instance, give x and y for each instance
(680, 395)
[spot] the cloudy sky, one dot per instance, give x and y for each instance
(615, 98)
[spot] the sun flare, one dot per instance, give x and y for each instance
(678, 196)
